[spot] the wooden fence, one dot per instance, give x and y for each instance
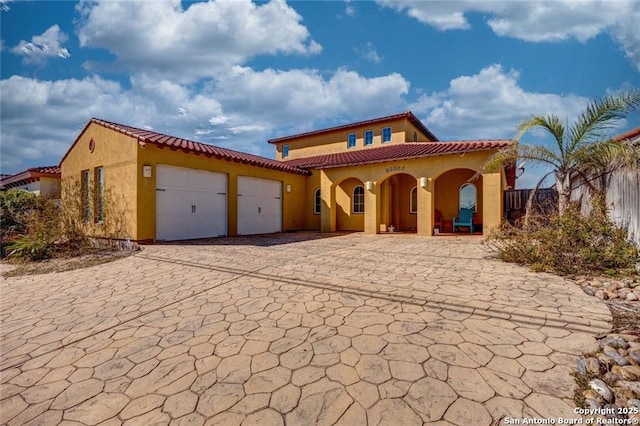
(515, 202)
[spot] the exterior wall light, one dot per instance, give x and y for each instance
(369, 185)
(423, 182)
(288, 188)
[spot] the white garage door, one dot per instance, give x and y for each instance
(190, 203)
(259, 206)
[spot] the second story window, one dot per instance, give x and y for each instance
(386, 134)
(285, 151)
(368, 137)
(351, 140)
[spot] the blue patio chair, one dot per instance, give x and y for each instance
(465, 218)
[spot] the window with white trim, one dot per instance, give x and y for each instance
(413, 200)
(351, 140)
(317, 202)
(468, 197)
(386, 134)
(368, 137)
(285, 151)
(358, 199)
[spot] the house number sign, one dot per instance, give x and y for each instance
(394, 169)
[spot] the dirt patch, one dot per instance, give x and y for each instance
(61, 264)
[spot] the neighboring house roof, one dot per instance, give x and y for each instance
(408, 115)
(403, 151)
(186, 145)
(30, 175)
(631, 135)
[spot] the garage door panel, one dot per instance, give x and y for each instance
(190, 203)
(259, 206)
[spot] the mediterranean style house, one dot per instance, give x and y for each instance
(381, 175)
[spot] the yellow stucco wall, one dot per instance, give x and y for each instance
(402, 130)
(312, 220)
(346, 219)
(117, 154)
(293, 216)
(431, 168)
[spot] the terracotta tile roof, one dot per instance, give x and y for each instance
(30, 175)
(630, 135)
(408, 115)
(186, 145)
(403, 151)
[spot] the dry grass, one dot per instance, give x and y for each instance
(14, 268)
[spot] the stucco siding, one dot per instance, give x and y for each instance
(293, 214)
(117, 154)
(402, 130)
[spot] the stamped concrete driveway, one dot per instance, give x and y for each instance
(296, 329)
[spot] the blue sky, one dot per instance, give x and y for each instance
(235, 73)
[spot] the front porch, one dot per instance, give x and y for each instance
(409, 199)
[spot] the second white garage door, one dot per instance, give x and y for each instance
(190, 203)
(259, 206)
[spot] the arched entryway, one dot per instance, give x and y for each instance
(349, 211)
(457, 189)
(398, 203)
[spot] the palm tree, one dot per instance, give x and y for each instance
(584, 148)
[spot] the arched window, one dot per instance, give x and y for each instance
(358, 199)
(468, 197)
(317, 202)
(413, 200)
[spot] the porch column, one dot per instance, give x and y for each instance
(371, 210)
(426, 207)
(491, 201)
(328, 208)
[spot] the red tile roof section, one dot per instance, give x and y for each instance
(403, 151)
(30, 175)
(408, 115)
(162, 140)
(630, 135)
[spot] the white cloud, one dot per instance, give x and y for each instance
(44, 46)
(207, 37)
(536, 21)
(40, 119)
(304, 96)
(4, 5)
(489, 104)
(369, 53)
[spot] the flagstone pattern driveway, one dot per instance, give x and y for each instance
(294, 329)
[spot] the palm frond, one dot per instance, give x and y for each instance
(504, 156)
(551, 124)
(539, 153)
(600, 116)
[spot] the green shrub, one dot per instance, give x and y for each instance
(568, 244)
(13, 204)
(37, 232)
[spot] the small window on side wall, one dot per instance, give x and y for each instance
(413, 200)
(358, 199)
(351, 140)
(468, 197)
(285, 151)
(317, 202)
(98, 207)
(386, 134)
(85, 198)
(368, 137)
